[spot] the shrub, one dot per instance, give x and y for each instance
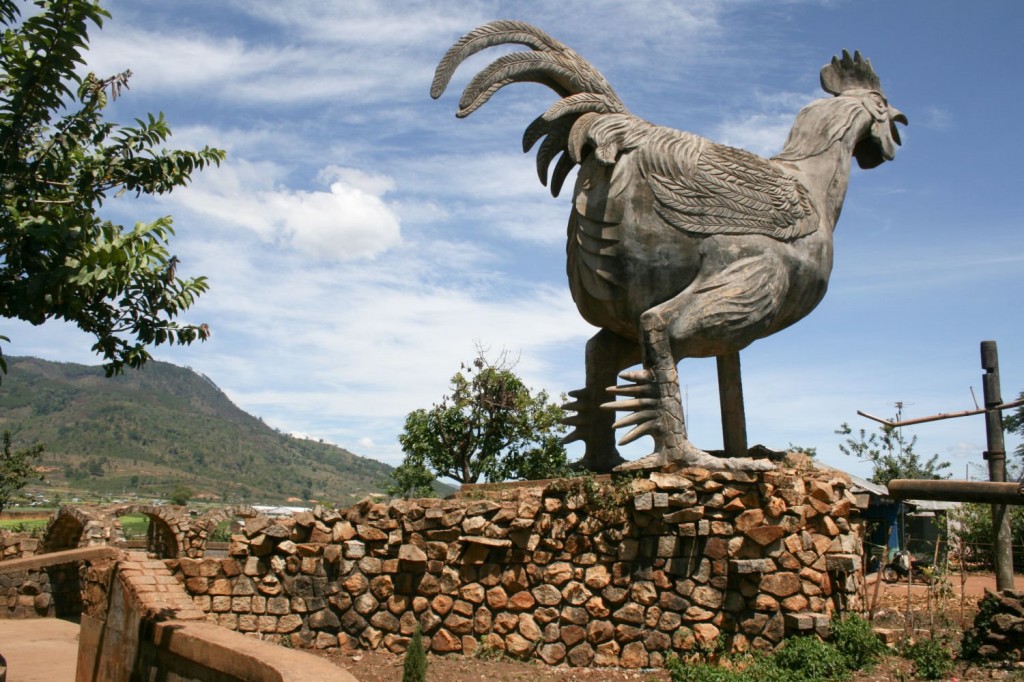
(810, 659)
(854, 638)
(681, 671)
(415, 667)
(803, 659)
(932, 658)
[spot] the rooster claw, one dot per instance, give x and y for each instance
(693, 457)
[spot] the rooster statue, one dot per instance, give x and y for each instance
(679, 247)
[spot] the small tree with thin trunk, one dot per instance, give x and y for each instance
(15, 469)
(489, 426)
(890, 453)
(415, 667)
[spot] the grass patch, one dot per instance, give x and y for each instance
(135, 525)
(23, 525)
(854, 646)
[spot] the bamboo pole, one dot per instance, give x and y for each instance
(943, 415)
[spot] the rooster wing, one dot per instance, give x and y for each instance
(699, 187)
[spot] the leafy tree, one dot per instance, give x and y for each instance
(15, 468)
(974, 532)
(803, 450)
(890, 453)
(59, 162)
(490, 425)
(411, 478)
(181, 496)
(1014, 423)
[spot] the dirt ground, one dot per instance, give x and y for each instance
(901, 610)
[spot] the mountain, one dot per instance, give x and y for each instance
(152, 430)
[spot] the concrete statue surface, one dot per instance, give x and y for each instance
(679, 247)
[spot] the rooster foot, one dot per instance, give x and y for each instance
(690, 456)
(592, 425)
(656, 410)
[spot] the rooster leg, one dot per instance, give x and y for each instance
(607, 355)
(654, 401)
(654, 394)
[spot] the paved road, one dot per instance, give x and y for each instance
(39, 649)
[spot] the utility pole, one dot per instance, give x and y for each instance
(996, 456)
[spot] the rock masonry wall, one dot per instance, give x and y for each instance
(26, 594)
(577, 571)
(18, 545)
(998, 631)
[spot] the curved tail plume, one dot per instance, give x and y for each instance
(549, 62)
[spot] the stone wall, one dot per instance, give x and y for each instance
(46, 585)
(579, 571)
(139, 624)
(26, 594)
(18, 545)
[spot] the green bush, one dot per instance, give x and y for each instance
(854, 638)
(932, 658)
(680, 671)
(809, 659)
(801, 659)
(415, 667)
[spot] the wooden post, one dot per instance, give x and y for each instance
(730, 397)
(996, 456)
(878, 575)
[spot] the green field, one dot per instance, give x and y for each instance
(134, 525)
(23, 525)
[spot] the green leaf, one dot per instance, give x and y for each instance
(58, 161)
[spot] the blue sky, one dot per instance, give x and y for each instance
(360, 241)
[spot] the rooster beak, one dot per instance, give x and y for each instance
(896, 116)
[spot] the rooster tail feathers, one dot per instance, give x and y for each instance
(518, 67)
(566, 110)
(583, 90)
(556, 135)
(582, 103)
(488, 35)
(584, 77)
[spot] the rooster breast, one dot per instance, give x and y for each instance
(657, 211)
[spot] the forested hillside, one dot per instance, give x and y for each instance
(153, 430)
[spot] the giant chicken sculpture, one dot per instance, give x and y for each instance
(679, 247)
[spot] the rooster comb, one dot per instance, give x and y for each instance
(849, 73)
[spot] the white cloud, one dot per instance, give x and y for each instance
(763, 129)
(762, 134)
(167, 60)
(937, 118)
(349, 221)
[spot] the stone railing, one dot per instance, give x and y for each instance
(18, 545)
(138, 623)
(578, 571)
(46, 585)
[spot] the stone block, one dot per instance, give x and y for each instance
(687, 515)
(842, 563)
(747, 566)
(782, 584)
(766, 535)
